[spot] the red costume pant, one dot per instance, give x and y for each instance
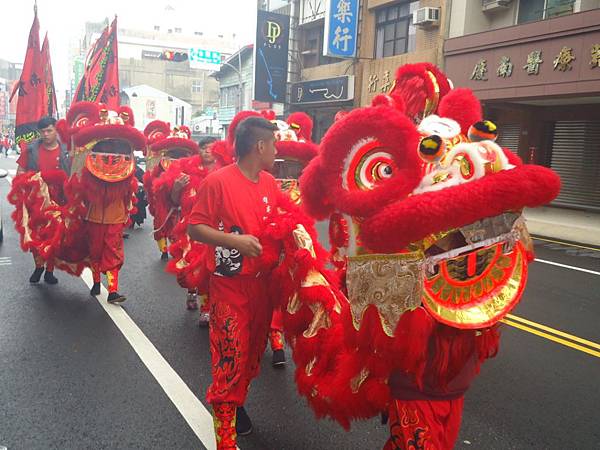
(424, 424)
(276, 332)
(106, 246)
(239, 322)
(106, 252)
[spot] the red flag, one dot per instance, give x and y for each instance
(52, 107)
(31, 104)
(90, 61)
(100, 81)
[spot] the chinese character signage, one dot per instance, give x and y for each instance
(534, 59)
(595, 56)
(271, 57)
(505, 68)
(341, 28)
(479, 70)
(563, 60)
(204, 59)
(328, 90)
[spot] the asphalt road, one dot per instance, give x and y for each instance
(69, 379)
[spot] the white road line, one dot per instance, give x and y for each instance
(193, 411)
(552, 263)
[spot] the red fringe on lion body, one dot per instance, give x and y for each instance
(188, 257)
(328, 362)
(56, 230)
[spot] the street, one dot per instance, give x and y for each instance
(78, 374)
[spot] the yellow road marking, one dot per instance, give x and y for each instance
(552, 330)
(517, 323)
(566, 243)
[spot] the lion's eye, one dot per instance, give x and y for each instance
(370, 165)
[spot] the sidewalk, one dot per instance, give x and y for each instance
(564, 224)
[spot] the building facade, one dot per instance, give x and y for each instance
(234, 79)
(163, 61)
(236, 88)
(387, 38)
(10, 73)
(536, 67)
(162, 56)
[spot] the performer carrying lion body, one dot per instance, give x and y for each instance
(430, 252)
(86, 229)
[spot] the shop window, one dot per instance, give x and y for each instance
(230, 96)
(394, 32)
(311, 48)
(196, 86)
(533, 10)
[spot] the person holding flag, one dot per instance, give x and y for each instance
(31, 89)
(46, 156)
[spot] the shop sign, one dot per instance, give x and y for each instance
(341, 28)
(205, 59)
(271, 57)
(383, 83)
(327, 90)
(561, 62)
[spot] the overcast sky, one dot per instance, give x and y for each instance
(64, 21)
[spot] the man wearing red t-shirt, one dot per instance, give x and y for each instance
(232, 205)
(44, 155)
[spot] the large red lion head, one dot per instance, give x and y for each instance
(102, 140)
(165, 144)
(416, 178)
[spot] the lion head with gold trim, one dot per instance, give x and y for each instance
(425, 204)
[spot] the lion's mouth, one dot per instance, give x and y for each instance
(469, 277)
(463, 243)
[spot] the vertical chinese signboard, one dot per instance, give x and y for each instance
(271, 57)
(341, 28)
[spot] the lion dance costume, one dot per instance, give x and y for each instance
(430, 253)
(294, 151)
(188, 262)
(165, 145)
(85, 228)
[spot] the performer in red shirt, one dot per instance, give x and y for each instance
(231, 211)
(47, 156)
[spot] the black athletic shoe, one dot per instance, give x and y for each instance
(243, 424)
(164, 256)
(95, 289)
(50, 278)
(278, 358)
(36, 275)
(115, 297)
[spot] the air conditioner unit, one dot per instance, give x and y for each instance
(493, 5)
(197, 128)
(426, 17)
